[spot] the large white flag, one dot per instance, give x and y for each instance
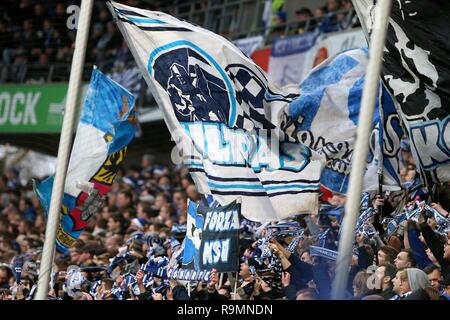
(222, 111)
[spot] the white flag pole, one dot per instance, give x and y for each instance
(370, 91)
(64, 149)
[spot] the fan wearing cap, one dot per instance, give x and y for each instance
(409, 281)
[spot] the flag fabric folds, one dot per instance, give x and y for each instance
(106, 127)
(416, 71)
(223, 113)
(385, 147)
(325, 118)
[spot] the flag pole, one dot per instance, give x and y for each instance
(370, 90)
(189, 288)
(235, 285)
(221, 280)
(64, 149)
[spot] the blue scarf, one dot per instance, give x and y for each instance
(323, 252)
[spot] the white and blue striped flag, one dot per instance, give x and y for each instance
(223, 112)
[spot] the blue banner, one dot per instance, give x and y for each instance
(106, 127)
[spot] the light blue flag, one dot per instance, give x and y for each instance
(106, 127)
(192, 241)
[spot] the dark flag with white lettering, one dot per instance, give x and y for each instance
(220, 237)
(212, 238)
(416, 70)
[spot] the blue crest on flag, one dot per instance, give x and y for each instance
(198, 88)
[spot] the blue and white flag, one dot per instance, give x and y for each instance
(94, 287)
(443, 223)
(18, 264)
(222, 111)
(106, 127)
(325, 116)
(291, 58)
(365, 201)
(328, 209)
(192, 241)
(209, 201)
(292, 247)
(364, 217)
(385, 147)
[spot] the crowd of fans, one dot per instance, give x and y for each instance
(140, 229)
(335, 16)
(41, 33)
(401, 249)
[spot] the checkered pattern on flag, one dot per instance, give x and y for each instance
(222, 111)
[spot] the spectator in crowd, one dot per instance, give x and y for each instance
(348, 19)
(434, 276)
(304, 23)
(445, 294)
(332, 19)
(409, 281)
(39, 16)
(5, 276)
(385, 275)
(386, 255)
(278, 25)
(360, 288)
(404, 260)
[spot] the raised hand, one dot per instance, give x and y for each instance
(285, 279)
(140, 277)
